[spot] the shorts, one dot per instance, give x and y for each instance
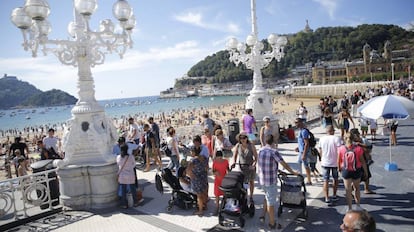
(394, 128)
(352, 174)
(364, 128)
(305, 162)
(270, 194)
(327, 171)
(249, 174)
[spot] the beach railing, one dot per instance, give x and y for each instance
(27, 196)
(287, 118)
(335, 90)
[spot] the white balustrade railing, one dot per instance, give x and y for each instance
(29, 195)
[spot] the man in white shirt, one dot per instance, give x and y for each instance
(328, 146)
(133, 132)
(51, 141)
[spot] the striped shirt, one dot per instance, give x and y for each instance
(268, 164)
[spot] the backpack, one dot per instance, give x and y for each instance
(349, 163)
(312, 140)
(165, 149)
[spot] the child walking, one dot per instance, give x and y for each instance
(313, 159)
(220, 168)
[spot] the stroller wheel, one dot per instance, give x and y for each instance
(251, 210)
(242, 222)
(139, 162)
(170, 203)
(279, 211)
(169, 209)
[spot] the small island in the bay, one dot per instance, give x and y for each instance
(18, 94)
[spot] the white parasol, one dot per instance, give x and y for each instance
(387, 107)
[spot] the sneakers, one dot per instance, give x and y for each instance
(334, 198)
(328, 202)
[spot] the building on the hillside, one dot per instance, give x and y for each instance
(325, 72)
(370, 64)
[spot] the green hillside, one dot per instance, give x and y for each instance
(17, 93)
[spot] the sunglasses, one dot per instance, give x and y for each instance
(243, 137)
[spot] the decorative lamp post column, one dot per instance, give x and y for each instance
(257, 59)
(392, 71)
(88, 172)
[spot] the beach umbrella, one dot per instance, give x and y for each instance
(387, 107)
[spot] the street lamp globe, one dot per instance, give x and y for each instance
(37, 9)
(251, 40)
(20, 19)
(43, 27)
(72, 29)
(232, 44)
(272, 39)
(282, 41)
(122, 10)
(130, 24)
(86, 7)
(241, 47)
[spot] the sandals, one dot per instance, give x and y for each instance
(198, 213)
(370, 192)
(275, 226)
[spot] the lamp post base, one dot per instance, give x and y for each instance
(260, 102)
(88, 187)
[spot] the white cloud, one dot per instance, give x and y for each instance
(329, 5)
(196, 19)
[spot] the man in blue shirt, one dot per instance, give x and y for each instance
(303, 148)
(268, 166)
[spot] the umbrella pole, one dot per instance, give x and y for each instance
(390, 148)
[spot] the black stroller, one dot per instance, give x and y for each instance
(292, 193)
(234, 203)
(179, 197)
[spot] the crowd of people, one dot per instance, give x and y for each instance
(211, 152)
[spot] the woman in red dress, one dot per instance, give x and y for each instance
(220, 168)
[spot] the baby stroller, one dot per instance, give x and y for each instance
(234, 203)
(179, 197)
(291, 194)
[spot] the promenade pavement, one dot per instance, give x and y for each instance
(392, 206)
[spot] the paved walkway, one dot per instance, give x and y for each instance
(392, 206)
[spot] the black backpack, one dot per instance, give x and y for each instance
(312, 140)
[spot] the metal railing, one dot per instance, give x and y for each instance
(27, 196)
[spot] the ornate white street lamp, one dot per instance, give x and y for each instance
(88, 172)
(256, 60)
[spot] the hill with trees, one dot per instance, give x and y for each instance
(16, 94)
(325, 44)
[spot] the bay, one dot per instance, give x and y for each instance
(18, 119)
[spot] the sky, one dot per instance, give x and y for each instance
(173, 35)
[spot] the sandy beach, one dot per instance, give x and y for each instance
(186, 122)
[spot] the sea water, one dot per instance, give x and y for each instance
(115, 108)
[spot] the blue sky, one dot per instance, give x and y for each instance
(172, 35)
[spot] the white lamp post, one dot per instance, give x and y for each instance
(392, 71)
(88, 172)
(256, 60)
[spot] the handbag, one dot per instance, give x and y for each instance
(158, 183)
(120, 170)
